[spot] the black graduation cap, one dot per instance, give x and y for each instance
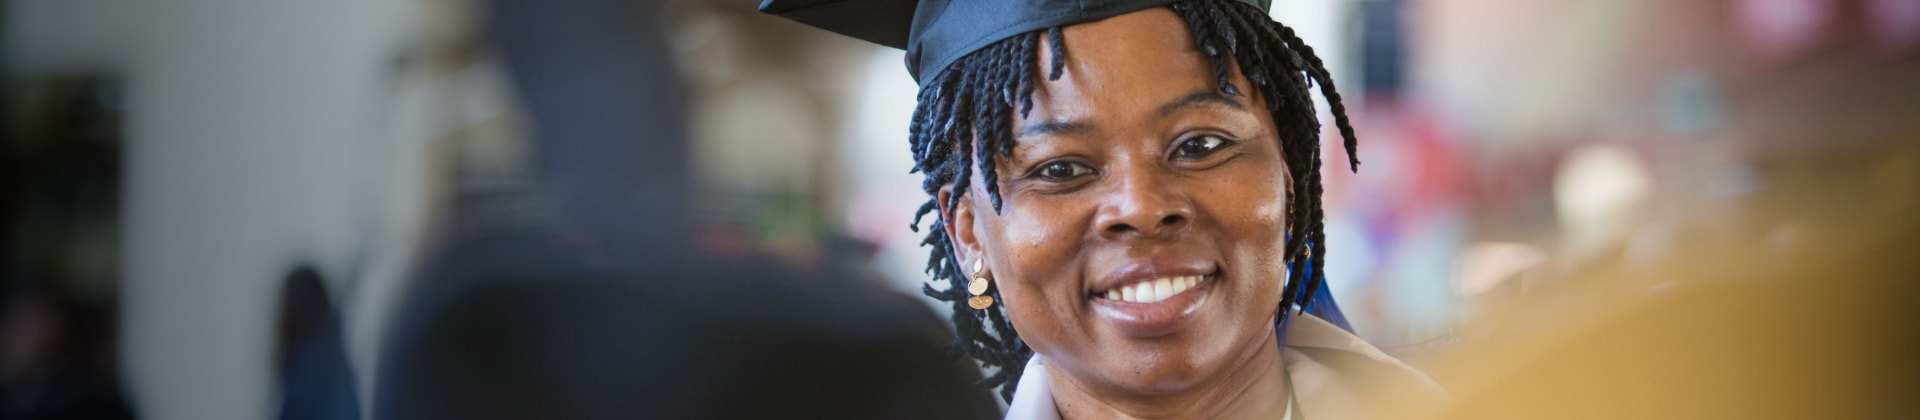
(937, 32)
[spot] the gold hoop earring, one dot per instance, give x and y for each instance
(978, 287)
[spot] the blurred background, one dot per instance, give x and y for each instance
(178, 175)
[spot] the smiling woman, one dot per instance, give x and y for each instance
(1173, 201)
(1135, 187)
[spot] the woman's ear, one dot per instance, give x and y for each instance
(1287, 175)
(959, 226)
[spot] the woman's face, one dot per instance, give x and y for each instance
(1139, 246)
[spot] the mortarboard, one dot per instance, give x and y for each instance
(937, 32)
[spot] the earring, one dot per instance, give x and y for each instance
(978, 287)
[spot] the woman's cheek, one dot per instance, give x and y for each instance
(1259, 207)
(1034, 258)
(1038, 243)
(1255, 217)
(1039, 237)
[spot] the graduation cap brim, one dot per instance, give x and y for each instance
(935, 33)
(884, 22)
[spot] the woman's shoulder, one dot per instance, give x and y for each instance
(1337, 375)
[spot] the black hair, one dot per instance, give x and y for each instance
(963, 121)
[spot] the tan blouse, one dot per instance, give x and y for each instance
(1332, 373)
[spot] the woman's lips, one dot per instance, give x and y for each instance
(1154, 308)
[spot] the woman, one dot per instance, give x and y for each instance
(1121, 190)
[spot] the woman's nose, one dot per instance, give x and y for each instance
(1144, 204)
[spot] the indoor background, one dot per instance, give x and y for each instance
(170, 165)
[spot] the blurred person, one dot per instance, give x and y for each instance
(596, 299)
(1127, 201)
(315, 382)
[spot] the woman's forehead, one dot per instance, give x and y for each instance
(1120, 69)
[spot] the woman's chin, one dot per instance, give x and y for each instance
(1167, 346)
(1159, 379)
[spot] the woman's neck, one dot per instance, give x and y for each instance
(1255, 388)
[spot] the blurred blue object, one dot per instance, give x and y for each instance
(315, 382)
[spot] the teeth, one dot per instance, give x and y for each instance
(1156, 290)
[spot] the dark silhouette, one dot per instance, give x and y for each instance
(315, 382)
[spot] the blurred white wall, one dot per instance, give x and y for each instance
(247, 125)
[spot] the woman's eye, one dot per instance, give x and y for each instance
(1063, 170)
(1199, 147)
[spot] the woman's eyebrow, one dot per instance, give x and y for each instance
(1203, 97)
(1056, 127)
(1198, 98)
